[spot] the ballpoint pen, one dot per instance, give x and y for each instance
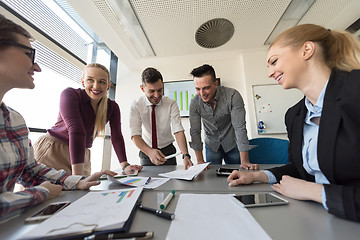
(166, 215)
(147, 181)
(137, 235)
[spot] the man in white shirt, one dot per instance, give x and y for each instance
(159, 117)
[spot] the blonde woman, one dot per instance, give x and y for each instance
(83, 115)
(324, 127)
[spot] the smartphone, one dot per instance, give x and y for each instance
(47, 211)
(223, 171)
(259, 200)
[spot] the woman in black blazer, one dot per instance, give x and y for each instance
(324, 127)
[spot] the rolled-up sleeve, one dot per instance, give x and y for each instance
(238, 122)
(135, 121)
(195, 126)
(176, 125)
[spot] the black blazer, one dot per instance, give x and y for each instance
(338, 144)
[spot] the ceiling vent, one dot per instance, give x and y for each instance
(214, 33)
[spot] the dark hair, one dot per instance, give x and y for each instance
(9, 29)
(151, 75)
(340, 49)
(204, 70)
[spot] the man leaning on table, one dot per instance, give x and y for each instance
(222, 112)
(159, 118)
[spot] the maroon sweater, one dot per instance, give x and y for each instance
(75, 124)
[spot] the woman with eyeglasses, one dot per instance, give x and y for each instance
(324, 127)
(82, 117)
(17, 162)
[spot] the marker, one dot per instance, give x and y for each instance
(172, 155)
(159, 213)
(140, 235)
(166, 201)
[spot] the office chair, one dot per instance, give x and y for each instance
(269, 151)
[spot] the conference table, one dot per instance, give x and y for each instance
(297, 220)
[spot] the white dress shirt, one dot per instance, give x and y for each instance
(168, 120)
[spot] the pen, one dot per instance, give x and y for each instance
(138, 235)
(117, 176)
(172, 155)
(166, 215)
(166, 201)
(147, 181)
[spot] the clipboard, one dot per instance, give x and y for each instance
(124, 229)
(95, 213)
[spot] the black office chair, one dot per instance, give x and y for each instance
(269, 151)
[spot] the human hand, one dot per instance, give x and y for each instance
(156, 157)
(201, 162)
(249, 166)
(54, 189)
(187, 162)
(130, 169)
(237, 178)
(299, 189)
(93, 179)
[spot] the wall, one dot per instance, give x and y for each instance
(239, 71)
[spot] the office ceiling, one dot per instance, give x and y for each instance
(170, 25)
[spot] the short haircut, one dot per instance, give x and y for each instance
(204, 70)
(151, 75)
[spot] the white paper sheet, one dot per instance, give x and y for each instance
(146, 182)
(213, 216)
(93, 212)
(188, 174)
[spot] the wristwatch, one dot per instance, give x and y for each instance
(186, 155)
(125, 166)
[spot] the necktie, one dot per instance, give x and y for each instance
(153, 125)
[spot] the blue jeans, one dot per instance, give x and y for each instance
(231, 157)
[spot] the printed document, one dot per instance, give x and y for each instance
(188, 174)
(95, 211)
(213, 216)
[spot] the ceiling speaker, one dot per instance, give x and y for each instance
(214, 33)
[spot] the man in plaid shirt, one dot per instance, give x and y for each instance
(17, 163)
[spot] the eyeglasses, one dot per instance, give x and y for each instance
(31, 54)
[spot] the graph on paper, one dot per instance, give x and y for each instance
(182, 92)
(96, 211)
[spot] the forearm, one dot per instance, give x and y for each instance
(13, 204)
(199, 156)
(181, 142)
(244, 157)
(77, 169)
(141, 144)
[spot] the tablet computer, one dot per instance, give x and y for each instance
(225, 171)
(259, 200)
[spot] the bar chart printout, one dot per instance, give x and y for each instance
(182, 92)
(96, 211)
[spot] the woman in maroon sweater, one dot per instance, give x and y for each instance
(83, 116)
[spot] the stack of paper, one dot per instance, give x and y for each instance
(188, 174)
(96, 211)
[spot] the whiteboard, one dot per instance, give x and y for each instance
(271, 104)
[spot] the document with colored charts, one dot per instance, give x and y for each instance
(96, 211)
(147, 182)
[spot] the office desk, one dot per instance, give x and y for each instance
(298, 220)
(205, 181)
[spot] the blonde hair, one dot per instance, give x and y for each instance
(340, 49)
(101, 113)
